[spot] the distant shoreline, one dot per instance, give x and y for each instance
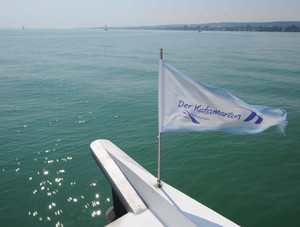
(279, 26)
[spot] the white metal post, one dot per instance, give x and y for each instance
(158, 184)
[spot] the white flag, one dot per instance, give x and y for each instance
(187, 104)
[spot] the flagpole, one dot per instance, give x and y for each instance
(158, 184)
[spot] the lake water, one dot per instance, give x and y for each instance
(62, 89)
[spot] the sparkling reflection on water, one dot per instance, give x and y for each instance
(49, 184)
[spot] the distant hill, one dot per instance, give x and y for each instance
(278, 26)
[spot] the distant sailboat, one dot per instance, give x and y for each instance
(105, 28)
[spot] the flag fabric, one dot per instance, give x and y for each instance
(187, 104)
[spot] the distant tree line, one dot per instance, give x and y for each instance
(284, 26)
(291, 28)
(261, 28)
(279, 26)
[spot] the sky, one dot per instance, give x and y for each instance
(123, 13)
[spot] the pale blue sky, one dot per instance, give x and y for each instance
(97, 13)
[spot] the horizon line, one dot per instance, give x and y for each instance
(137, 26)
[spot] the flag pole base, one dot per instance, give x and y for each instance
(158, 184)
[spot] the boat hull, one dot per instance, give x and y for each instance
(166, 205)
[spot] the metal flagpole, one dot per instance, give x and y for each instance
(158, 184)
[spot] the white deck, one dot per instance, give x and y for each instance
(146, 204)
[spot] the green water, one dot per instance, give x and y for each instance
(62, 89)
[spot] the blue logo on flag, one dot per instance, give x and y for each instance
(252, 116)
(191, 117)
(205, 110)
